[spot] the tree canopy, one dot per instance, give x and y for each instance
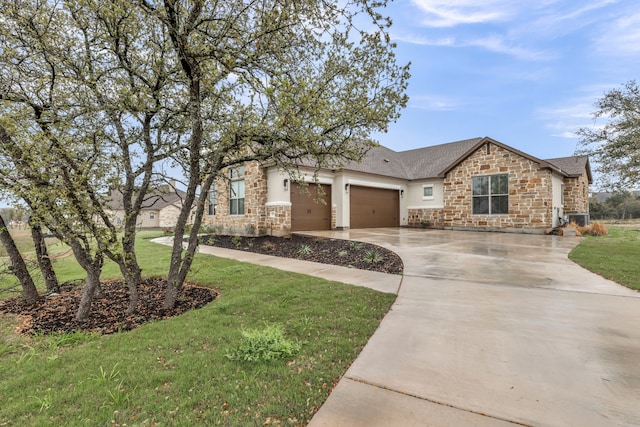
(615, 145)
(105, 94)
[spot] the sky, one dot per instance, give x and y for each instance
(526, 73)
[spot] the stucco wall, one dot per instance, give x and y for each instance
(425, 211)
(530, 192)
(557, 204)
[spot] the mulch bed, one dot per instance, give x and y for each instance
(56, 313)
(344, 253)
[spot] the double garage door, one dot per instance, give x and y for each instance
(374, 207)
(370, 207)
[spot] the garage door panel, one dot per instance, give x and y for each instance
(374, 207)
(307, 212)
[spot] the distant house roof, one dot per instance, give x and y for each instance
(155, 200)
(436, 161)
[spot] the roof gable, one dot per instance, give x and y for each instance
(573, 166)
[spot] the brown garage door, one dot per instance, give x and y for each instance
(374, 207)
(307, 213)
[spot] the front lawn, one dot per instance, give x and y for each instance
(615, 256)
(178, 371)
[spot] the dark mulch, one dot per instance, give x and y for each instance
(56, 313)
(327, 251)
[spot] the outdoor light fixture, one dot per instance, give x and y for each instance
(346, 188)
(401, 193)
(286, 184)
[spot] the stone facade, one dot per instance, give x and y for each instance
(252, 222)
(576, 195)
(278, 221)
(529, 191)
(169, 217)
(425, 217)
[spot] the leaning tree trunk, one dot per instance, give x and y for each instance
(93, 268)
(18, 266)
(44, 262)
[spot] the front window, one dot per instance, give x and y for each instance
(236, 191)
(490, 194)
(427, 192)
(213, 202)
(152, 215)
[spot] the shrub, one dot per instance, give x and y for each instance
(304, 250)
(354, 245)
(372, 256)
(593, 229)
(264, 346)
(599, 229)
(237, 241)
(268, 246)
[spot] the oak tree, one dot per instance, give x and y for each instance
(614, 145)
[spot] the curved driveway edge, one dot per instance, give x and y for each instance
(493, 329)
(388, 283)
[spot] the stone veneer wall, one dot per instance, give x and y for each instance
(530, 192)
(430, 217)
(278, 221)
(253, 222)
(576, 194)
(169, 216)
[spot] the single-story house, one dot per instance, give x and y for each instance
(477, 183)
(160, 208)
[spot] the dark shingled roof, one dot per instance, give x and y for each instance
(572, 166)
(155, 200)
(435, 161)
(420, 163)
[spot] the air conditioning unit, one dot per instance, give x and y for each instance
(580, 219)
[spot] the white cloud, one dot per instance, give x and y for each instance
(565, 119)
(621, 37)
(492, 43)
(449, 13)
(498, 44)
(433, 103)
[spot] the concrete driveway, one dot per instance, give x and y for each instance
(493, 329)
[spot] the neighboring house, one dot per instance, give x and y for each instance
(477, 183)
(160, 208)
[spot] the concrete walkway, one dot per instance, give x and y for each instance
(493, 329)
(489, 329)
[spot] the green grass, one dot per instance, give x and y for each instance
(177, 371)
(615, 256)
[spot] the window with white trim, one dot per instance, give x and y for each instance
(152, 215)
(490, 194)
(213, 201)
(427, 192)
(236, 191)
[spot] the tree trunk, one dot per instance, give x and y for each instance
(93, 268)
(18, 266)
(91, 287)
(44, 262)
(132, 274)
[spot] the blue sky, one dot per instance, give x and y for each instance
(526, 72)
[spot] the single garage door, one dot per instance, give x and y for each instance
(374, 207)
(307, 213)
